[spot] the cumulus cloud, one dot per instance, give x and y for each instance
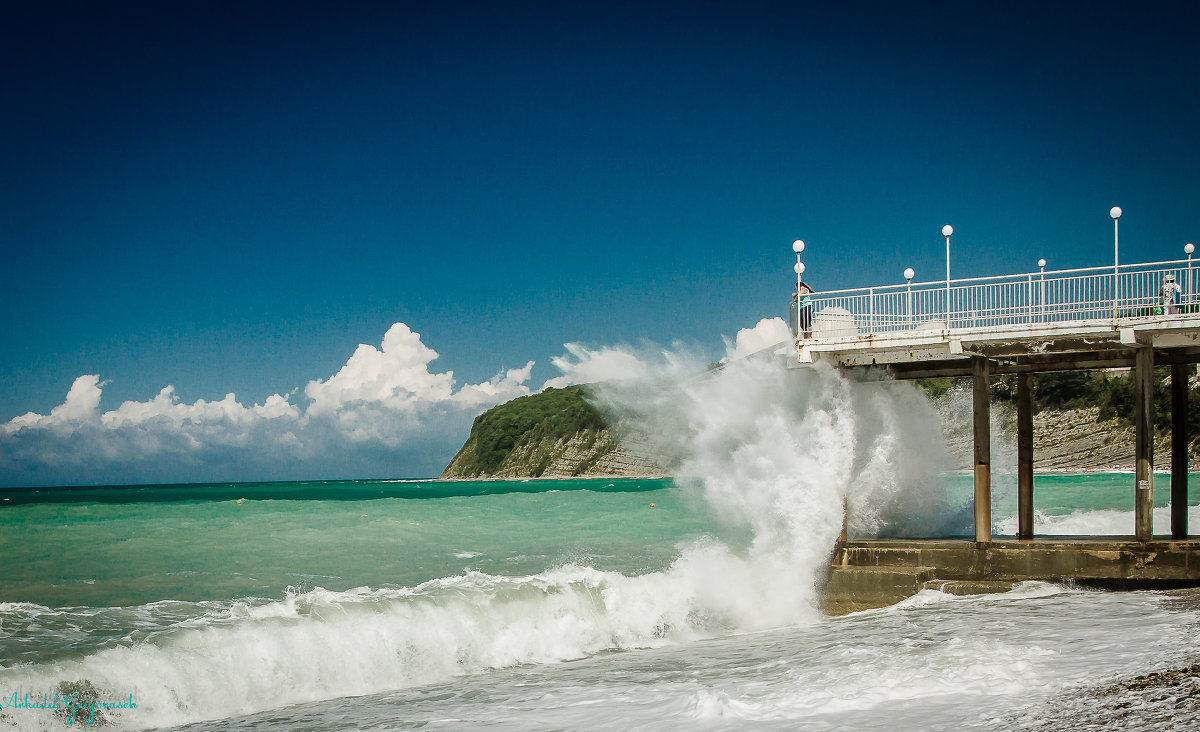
(384, 413)
(501, 388)
(397, 377)
(166, 409)
(81, 405)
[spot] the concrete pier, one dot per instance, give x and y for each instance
(883, 572)
(1020, 326)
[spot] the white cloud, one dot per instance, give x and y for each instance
(385, 412)
(167, 409)
(81, 405)
(396, 376)
(501, 388)
(382, 394)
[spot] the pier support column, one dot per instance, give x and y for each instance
(1179, 450)
(981, 411)
(1024, 456)
(1143, 424)
(841, 557)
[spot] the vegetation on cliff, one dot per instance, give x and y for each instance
(1113, 393)
(552, 417)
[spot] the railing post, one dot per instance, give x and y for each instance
(947, 290)
(871, 310)
(1042, 298)
(1189, 279)
(1029, 297)
(947, 304)
(1116, 293)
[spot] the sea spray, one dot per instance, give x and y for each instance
(781, 450)
(900, 450)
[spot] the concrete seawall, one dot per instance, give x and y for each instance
(870, 574)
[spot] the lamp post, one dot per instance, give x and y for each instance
(797, 304)
(1115, 212)
(908, 276)
(947, 230)
(1188, 249)
(798, 247)
(1042, 294)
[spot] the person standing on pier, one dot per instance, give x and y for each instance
(1168, 295)
(805, 309)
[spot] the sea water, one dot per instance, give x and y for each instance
(581, 604)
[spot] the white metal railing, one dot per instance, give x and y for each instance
(1093, 294)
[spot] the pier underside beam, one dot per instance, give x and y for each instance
(1144, 444)
(1179, 451)
(1038, 363)
(981, 393)
(1024, 456)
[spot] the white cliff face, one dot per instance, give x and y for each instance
(1065, 440)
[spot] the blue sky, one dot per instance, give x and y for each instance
(231, 197)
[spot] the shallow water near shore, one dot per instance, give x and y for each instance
(578, 606)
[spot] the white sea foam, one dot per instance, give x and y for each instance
(243, 657)
(1093, 522)
(29, 608)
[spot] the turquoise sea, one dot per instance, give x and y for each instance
(578, 604)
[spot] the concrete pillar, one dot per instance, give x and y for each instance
(1143, 424)
(1179, 451)
(981, 411)
(841, 557)
(1024, 457)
